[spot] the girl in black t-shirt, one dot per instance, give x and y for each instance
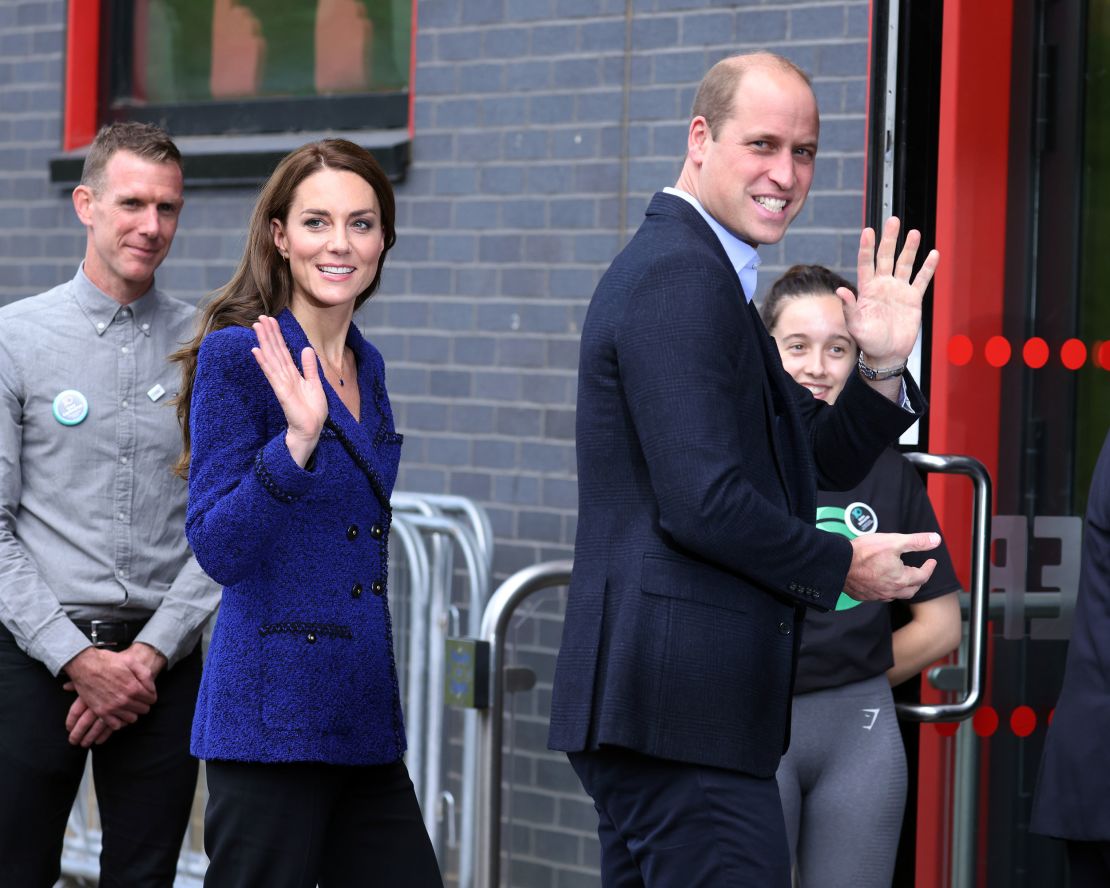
(843, 779)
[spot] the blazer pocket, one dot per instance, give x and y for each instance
(308, 677)
(692, 581)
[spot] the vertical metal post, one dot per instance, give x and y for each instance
(495, 622)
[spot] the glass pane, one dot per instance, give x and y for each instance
(202, 50)
(1094, 262)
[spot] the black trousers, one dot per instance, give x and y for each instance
(301, 824)
(1089, 864)
(144, 777)
(666, 824)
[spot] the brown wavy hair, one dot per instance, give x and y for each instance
(263, 283)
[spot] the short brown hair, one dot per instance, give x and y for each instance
(717, 90)
(145, 140)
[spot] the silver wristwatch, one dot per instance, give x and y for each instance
(876, 375)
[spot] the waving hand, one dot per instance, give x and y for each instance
(301, 396)
(886, 316)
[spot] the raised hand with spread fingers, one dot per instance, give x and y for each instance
(301, 395)
(885, 318)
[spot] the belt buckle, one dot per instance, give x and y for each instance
(94, 637)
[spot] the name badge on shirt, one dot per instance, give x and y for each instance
(861, 518)
(70, 407)
(156, 392)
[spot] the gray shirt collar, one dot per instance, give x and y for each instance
(101, 309)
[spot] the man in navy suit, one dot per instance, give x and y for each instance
(1072, 800)
(698, 461)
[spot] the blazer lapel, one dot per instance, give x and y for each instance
(780, 418)
(340, 421)
(774, 401)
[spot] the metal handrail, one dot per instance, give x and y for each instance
(502, 604)
(976, 674)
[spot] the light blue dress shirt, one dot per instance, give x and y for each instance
(742, 256)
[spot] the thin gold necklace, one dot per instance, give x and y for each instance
(329, 364)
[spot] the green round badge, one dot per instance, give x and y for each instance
(70, 407)
(854, 521)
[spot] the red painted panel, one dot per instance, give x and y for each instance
(965, 397)
(82, 73)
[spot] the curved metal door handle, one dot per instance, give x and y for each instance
(977, 613)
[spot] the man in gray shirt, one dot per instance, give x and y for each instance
(101, 603)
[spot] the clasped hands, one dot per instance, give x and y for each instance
(113, 689)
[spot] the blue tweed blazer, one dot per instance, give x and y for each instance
(696, 553)
(301, 665)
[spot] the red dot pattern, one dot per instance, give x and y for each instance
(986, 721)
(1023, 721)
(960, 349)
(1035, 352)
(1073, 354)
(997, 351)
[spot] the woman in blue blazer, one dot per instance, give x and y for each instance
(291, 455)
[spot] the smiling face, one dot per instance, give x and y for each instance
(814, 343)
(754, 175)
(131, 219)
(332, 238)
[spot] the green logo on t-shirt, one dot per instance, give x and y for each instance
(834, 519)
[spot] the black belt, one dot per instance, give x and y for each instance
(113, 634)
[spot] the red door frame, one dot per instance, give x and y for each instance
(972, 173)
(968, 290)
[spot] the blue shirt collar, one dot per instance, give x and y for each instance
(742, 256)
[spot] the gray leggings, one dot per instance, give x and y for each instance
(843, 786)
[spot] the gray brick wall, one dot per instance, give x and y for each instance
(542, 129)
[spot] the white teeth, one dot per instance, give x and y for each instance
(774, 204)
(336, 269)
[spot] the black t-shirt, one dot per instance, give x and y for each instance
(853, 643)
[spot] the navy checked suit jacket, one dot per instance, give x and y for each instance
(696, 552)
(1072, 800)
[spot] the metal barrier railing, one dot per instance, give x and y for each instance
(427, 595)
(502, 604)
(427, 697)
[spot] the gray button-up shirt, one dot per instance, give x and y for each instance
(91, 515)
